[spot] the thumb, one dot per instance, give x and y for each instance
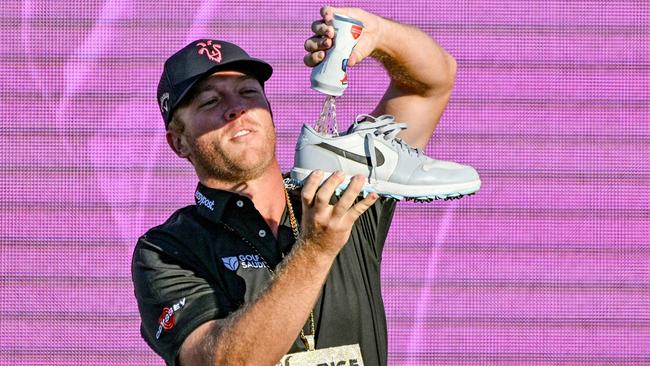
(353, 60)
(360, 51)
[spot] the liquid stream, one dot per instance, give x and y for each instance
(326, 123)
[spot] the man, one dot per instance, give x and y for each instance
(225, 282)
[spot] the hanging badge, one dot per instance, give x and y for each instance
(349, 355)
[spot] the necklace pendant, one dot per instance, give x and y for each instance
(309, 342)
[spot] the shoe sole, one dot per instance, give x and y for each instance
(399, 191)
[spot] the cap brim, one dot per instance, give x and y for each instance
(259, 69)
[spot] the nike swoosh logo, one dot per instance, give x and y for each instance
(352, 156)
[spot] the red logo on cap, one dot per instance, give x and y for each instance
(356, 31)
(210, 50)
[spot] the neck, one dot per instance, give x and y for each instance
(266, 192)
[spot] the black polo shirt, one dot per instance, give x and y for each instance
(193, 269)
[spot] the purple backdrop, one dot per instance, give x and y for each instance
(548, 264)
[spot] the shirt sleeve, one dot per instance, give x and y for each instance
(173, 297)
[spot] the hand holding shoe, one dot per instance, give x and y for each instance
(329, 226)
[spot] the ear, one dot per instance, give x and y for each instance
(178, 143)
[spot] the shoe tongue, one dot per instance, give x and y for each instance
(364, 124)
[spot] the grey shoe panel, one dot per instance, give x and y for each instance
(308, 136)
(314, 157)
(406, 164)
(443, 172)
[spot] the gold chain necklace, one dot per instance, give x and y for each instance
(307, 339)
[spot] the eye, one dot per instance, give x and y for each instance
(249, 91)
(209, 102)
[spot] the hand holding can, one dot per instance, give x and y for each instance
(330, 76)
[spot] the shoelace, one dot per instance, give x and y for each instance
(382, 126)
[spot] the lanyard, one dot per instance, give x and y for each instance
(308, 339)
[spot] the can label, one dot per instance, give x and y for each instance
(356, 31)
(330, 76)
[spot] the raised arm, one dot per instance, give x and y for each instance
(421, 72)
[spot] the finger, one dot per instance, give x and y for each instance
(362, 206)
(327, 12)
(310, 187)
(349, 196)
(322, 29)
(317, 43)
(314, 58)
(360, 51)
(327, 189)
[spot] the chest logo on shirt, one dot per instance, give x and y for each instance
(243, 260)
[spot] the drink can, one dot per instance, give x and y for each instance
(330, 77)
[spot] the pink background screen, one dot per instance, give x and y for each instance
(549, 264)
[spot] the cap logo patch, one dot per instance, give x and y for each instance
(164, 103)
(212, 51)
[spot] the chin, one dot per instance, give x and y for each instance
(256, 167)
(235, 164)
(244, 168)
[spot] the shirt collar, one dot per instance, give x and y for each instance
(211, 203)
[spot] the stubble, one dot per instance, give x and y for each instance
(228, 166)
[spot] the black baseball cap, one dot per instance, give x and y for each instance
(200, 59)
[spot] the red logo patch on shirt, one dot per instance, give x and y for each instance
(168, 317)
(212, 51)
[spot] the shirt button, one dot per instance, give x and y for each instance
(240, 203)
(262, 233)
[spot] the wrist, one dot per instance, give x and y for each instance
(383, 32)
(317, 251)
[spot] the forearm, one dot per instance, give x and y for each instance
(271, 323)
(415, 62)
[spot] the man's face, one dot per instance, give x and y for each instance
(229, 133)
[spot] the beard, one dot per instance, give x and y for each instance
(230, 166)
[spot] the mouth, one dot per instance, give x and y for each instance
(241, 133)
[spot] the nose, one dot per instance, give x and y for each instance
(234, 111)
